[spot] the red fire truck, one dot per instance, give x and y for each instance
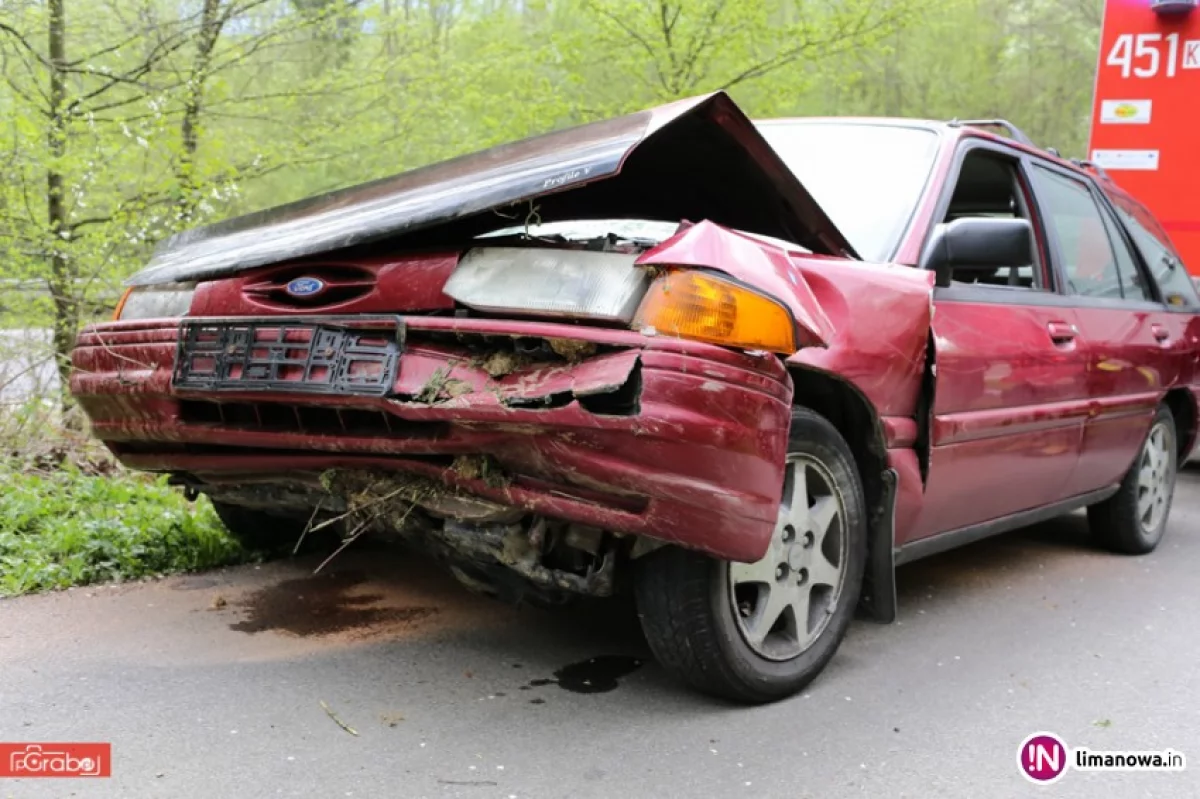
(1146, 113)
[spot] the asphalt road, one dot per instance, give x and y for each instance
(211, 685)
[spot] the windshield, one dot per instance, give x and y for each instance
(867, 176)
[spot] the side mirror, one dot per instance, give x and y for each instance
(977, 243)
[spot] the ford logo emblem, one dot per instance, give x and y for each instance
(305, 287)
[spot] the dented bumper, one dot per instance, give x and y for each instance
(638, 435)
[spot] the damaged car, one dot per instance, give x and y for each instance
(740, 370)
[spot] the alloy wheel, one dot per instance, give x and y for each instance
(1156, 477)
(783, 602)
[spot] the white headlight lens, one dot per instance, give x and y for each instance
(158, 302)
(579, 284)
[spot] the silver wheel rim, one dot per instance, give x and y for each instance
(784, 602)
(1156, 472)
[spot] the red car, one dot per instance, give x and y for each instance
(741, 370)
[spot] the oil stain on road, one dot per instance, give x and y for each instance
(325, 604)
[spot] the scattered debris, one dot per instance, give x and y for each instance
(218, 602)
(441, 387)
(500, 363)
(329, 712)
(456, 388)
(391, 719)
(376, 500)
(480, 467)
(572, 349)
(433, 386)
(1105, 723)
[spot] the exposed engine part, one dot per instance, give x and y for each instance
(511, 546)
(584, 538)
(583, 236)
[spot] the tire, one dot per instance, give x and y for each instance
(708, 621)
(260, 531)
(1133, 520)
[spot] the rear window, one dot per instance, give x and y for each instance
(1178, 288)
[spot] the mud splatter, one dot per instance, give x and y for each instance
(324, 604)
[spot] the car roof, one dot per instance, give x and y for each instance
(951, 129)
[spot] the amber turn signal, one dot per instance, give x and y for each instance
(701, 306)
(121, 304)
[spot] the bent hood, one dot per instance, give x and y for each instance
(696, 159)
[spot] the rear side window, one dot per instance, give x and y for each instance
(1091, 265)
(1156, 250)
(1134, 285)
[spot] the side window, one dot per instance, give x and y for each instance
(1173, 280)
(1090, 266)
(1133, 283)
(989, 185)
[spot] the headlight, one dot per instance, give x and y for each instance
(155, 302)
(578, 284)
(701, 306)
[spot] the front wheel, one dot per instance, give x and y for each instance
(758, 632)
(1133, 520)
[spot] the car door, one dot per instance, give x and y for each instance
(1178, 291)
(1010, 380)
(1134, 343)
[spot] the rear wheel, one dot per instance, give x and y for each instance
(266, 532)
(757, 632)
(1133, 520)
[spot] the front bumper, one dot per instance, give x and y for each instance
(676, 440)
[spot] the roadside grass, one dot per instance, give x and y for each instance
(69, 528)
(71, 516)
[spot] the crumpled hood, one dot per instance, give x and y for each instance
(696, 159)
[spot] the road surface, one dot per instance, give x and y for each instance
(212, 685)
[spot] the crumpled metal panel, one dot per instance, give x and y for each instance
(695, 159)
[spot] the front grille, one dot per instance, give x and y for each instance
(275, 417)
(340, 284)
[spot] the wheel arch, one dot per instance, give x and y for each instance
(858, 422)
(1182, 404)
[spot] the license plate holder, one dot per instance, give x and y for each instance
(313, 355)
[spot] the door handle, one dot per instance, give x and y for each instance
(1160, 332)
(1062, 332)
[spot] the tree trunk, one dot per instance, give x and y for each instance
(61, 282)
(193, 107)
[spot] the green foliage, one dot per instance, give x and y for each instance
(67, 528)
